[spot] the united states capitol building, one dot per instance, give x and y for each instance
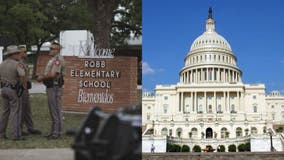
(211, 105)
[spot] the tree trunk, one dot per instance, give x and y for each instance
(103, 15)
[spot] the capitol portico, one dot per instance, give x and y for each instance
(211, 105)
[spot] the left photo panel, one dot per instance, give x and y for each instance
(71, 79)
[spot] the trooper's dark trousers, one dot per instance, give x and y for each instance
(26, 111)
(54, 104)
(10, 103)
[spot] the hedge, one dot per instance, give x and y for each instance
(196, 148)
(232, 148)
(185, 148)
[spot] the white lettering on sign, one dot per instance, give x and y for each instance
(102, 97)
(94, 73)
(95, 64)
(95, 84)
(88, 50)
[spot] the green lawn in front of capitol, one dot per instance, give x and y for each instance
(42, 122)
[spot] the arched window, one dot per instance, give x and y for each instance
(200, 110)
(233, 109)
(239, 132)
(254, 108)
(187, 104)
(210, 108)
(224, 132)
(164, 131)
(219, 109)
(165, 107)
(179, 132)
(253, 130)
(194, 132)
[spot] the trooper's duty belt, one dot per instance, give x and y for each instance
(13, 86)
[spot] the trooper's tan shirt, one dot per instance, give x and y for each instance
(55, 64)
(11, 71)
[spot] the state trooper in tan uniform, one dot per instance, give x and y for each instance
(26, 106)
(53, 80)
(13, 81)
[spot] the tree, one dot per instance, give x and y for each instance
(185, 148)
(115, 20)
(232, 148)
(196, 148)
(33, 22)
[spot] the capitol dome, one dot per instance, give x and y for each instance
(210, 40)
(210, 59)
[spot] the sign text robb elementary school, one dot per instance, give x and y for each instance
(95, 75)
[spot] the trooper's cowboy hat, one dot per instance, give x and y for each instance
(12, 49)
(22, 47)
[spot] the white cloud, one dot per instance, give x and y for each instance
(146, 69)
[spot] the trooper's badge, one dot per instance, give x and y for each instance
(57, 62)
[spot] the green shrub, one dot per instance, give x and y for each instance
(221, 148)
(241, 147)
(232, 148)
(169, 147)
(247, 146)
(173, 148)
(185, 148)
(196, 148)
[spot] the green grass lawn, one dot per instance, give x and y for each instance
(42, 121)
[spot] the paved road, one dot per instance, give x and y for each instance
(37, 154)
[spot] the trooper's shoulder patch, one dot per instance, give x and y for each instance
(20, 65)
(57, 62)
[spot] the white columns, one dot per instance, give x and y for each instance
(195, 101)
(207, 75)
(213, 74)
(215, 101)
(190, 76)
(179, 102)
(224, 95)
(182, 102)
(205, 96)
(238, 97)
(242, 101)
(228, 101)
(192, 105)
(217, 72)
(187, 80)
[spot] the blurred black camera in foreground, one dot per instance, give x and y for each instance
(110, 136)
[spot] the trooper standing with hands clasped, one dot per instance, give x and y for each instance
(53, 80)
(26, 106)
(13, 81)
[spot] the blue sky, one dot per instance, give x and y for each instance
(254, 29)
